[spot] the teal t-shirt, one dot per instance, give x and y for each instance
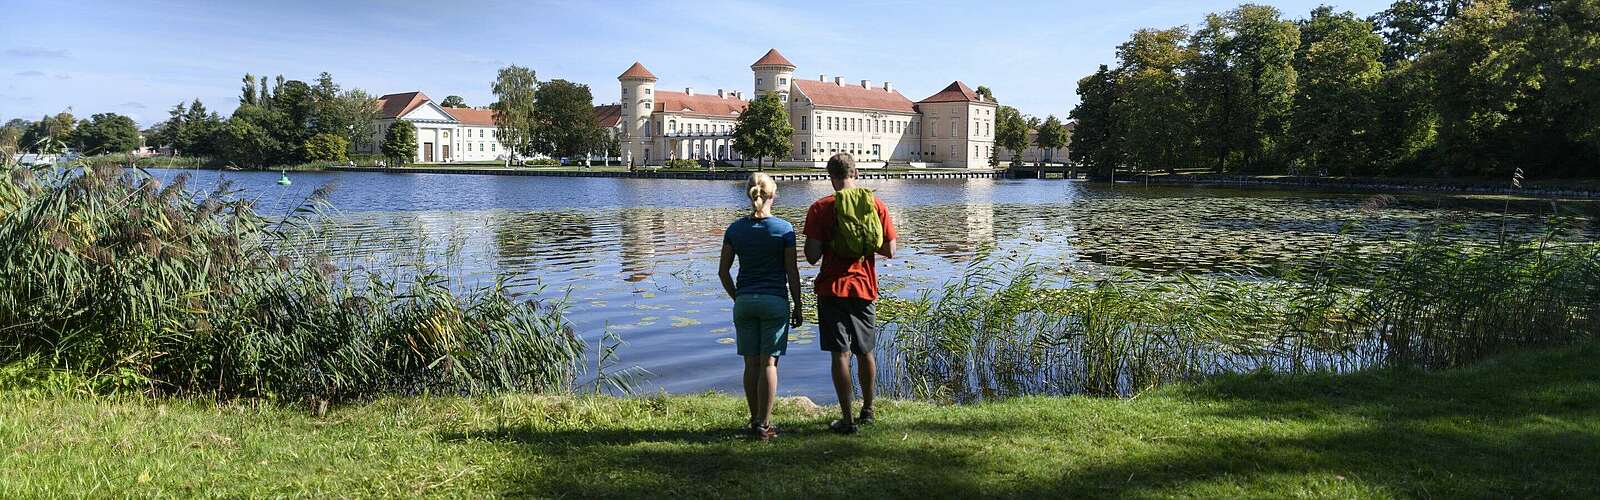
(759, 245)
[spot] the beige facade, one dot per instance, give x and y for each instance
(444, 135)
(874, 123)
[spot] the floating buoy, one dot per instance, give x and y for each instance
(283, 179)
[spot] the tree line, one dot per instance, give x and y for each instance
(99, 134)
(277, 122)
(1472, 88)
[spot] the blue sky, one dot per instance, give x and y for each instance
(139, 58)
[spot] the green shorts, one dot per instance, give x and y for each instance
(762, 324)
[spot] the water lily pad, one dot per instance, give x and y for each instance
(726, 340)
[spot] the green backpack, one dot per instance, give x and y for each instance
(857, 231)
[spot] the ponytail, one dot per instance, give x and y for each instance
(761, 189)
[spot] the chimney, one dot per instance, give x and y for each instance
(822, 77)
(688, 90)
(838, 80)
(721, 94)
(888, 86)
(866, 84)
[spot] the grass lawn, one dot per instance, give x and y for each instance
(1519, 426)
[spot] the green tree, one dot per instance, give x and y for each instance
(454, 101)
(11, 136)
(1214, 90)
(199, 132)
(567, 125)
(1263, 52)
(763, 130)
(400, 143)
(1097, 135)
(515, 108)
(246, 144)
(247, 92)
(359, 112)
(983, 91)
(1052, 135)
(1010, 133)
(1477, 92)
(327, 147)
(1335, 108)
(1154, 112)
(49, 135)
(108, 133)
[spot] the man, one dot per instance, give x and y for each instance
(847, 286)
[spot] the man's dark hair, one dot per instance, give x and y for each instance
(842, 166)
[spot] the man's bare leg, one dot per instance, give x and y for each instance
(841, 384)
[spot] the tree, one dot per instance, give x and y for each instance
(1339, 73)
(244, 143)
(51, 134)
(198, 134)
(1097, 137)
(400, 143)
(567, 125)
(1154, 113)
(1214, 91)
(11, 136)
(108, 133)
(1052, 135)
(1010, 133)
(1263, 55)
(247, 92)
(988, 95)
(454, 101)
(326, 147)
(359, 112)
(516, 117)
(763, 130)
(1477, 92)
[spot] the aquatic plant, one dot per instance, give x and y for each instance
(108, 272)
(1433, 301)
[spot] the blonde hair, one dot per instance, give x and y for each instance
(761, 189)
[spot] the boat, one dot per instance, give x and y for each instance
(283, 179)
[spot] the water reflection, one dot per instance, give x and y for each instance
(638, 257)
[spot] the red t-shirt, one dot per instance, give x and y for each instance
(843, 276)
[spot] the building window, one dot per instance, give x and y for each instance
(783, 98)
(783, 81)
(758, 81)
(803, 122)
(648, 91)
(952, 150)
(803, 149)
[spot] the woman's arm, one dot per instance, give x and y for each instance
(725, 270)
(791, 264)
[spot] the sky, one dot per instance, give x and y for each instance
(139, 58)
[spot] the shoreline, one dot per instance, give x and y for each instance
(1368, 184)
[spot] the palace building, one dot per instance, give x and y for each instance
(953, 128)
(876, 124)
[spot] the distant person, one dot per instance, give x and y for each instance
(766, 297)
(844, 231)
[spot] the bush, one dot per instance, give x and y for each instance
(326, 147)
(108, 273)
(543, 162)
(683, 163)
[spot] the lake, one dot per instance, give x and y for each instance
(637, 257)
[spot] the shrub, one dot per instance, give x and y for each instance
(543, 162)
(682, 163)
(326, 147)
(109, 273)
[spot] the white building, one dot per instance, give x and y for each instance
(444, 135)
(876, 124)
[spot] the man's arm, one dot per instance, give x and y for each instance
(813, 250)
(887, 250)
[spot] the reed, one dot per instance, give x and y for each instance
(1431, 302)
(109, 273)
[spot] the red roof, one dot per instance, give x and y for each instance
(397, 105)
(698, 104)
(773, 58)
(472, 116)
(854, 96)
(956, 92)
(637, 71)
(608, 115)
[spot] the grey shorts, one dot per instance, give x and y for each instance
(847, 324)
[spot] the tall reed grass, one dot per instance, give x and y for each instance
(1000, 329)
(110, 273)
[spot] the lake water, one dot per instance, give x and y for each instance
(638, 257)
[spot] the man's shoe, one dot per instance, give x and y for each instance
(868, 417)
(842, 427)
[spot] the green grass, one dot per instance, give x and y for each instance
(1524, 425)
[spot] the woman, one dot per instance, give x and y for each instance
(764, 245)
